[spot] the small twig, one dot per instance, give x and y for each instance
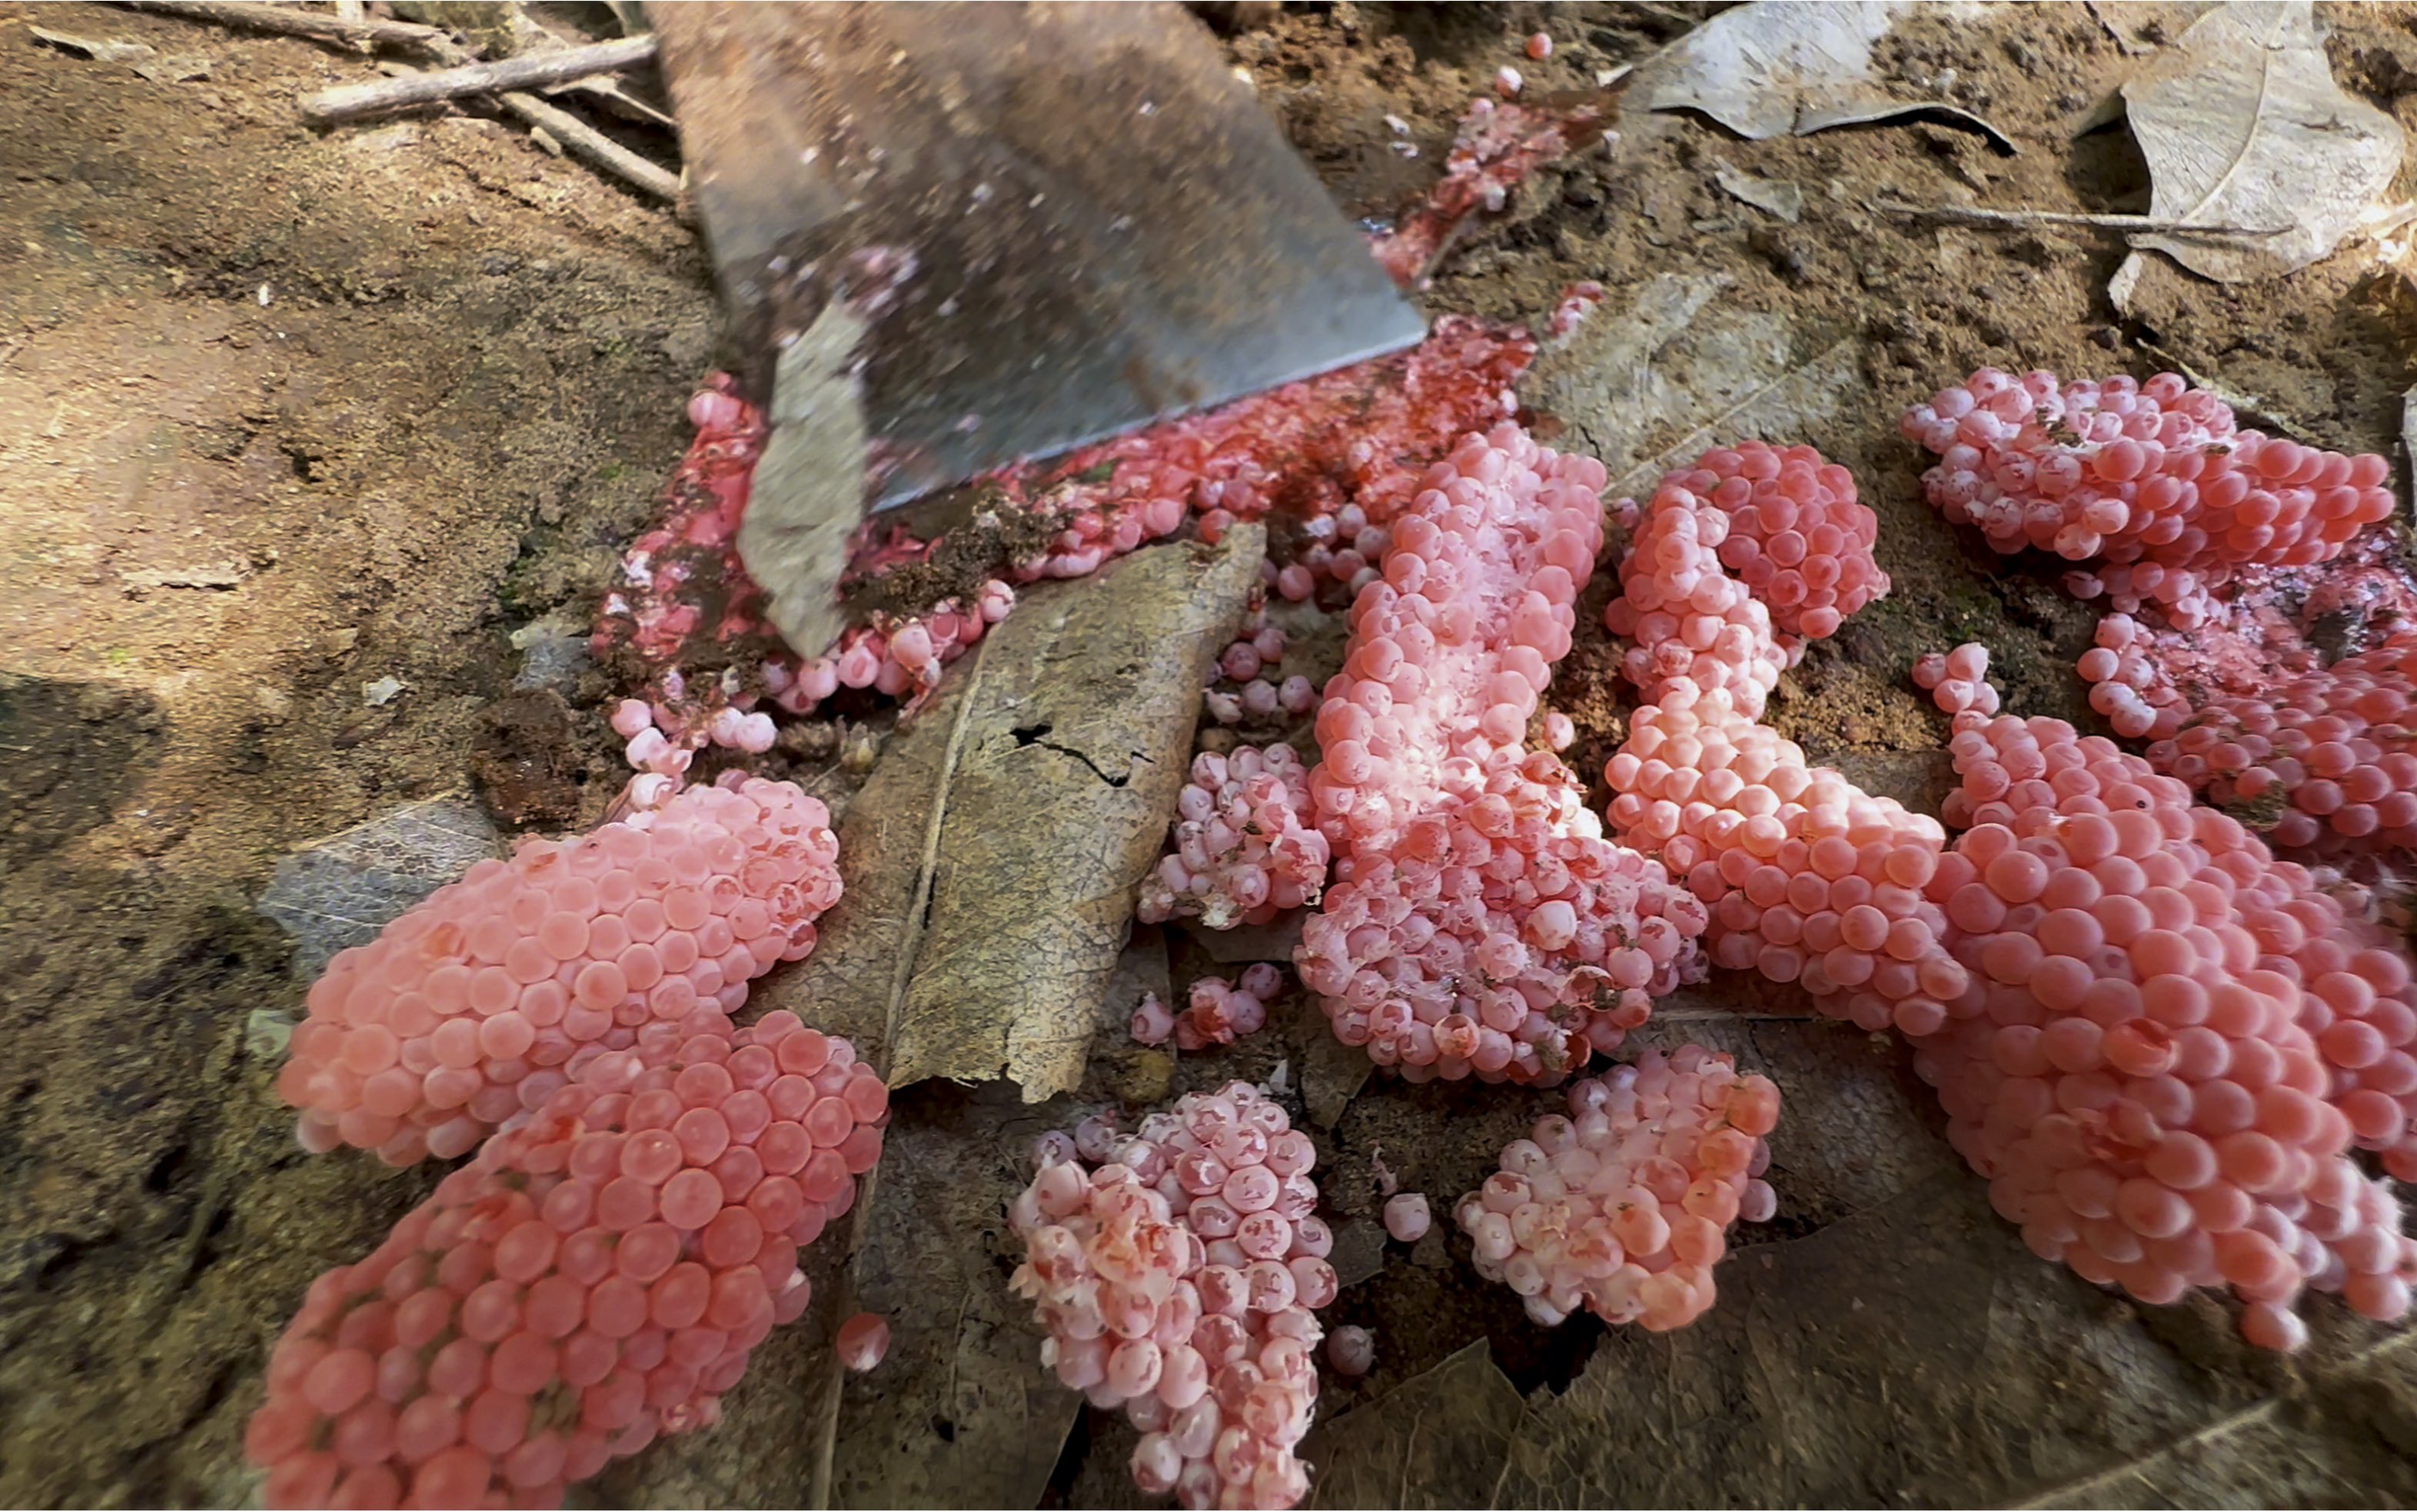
(312, 24)
(1973, 216)
(572, 132)
(351, 100)
(594, 145)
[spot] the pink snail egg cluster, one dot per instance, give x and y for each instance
(1622, 1208)
(1797, 538)
(594, 1278)
(467, 1010)
(1477, 921)
(1958, 683)
(2152, 478)
(1218, 1012)
(2126, 685)
(1808, 878)
(1244, 848)
(2125, 1068)
(2357, 1002)
(1684, 616)
(1250, 661)
(2330, 750)
(1179, 1281)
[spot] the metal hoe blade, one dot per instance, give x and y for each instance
(954, 236)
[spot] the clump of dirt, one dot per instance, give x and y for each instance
(526, 760)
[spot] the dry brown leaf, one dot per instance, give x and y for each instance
(991, 860)
(1675, 361)
(961, 1412)
(2243, 124)
(1438, 1440)
(1771, 70)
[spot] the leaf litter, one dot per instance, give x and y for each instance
(2242, 123)
(1792, 68)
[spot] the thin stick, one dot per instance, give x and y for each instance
(594, 145)
(349, 101)
(1973, 216)
(312, 24)
(574, 133)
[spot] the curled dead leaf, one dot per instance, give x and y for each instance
(2243, 124)
(1769, 69)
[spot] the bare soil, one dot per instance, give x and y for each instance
(285, 413)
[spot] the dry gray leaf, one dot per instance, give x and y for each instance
(1768, 69)
(1332, 1074)
(176, 69)
(2243, 124)
(992, 859)
(1670, 365)
(97, 51)
(1776, 196)
(342, 890)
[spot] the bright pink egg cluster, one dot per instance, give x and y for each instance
(1218, 1012)
(1478, 921)
(1624, 1207)
(1958, 683)
(467, 1010)
(1357, 435)
(2331, 752)
(1808, 878)
(1245, 849)
(1797, 538)
(1179, 1281)
(2153, 478)
(2135, 1083)
(596, 1277)
(2357, 1001)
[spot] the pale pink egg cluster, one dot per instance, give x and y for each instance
(1477, 921)
(1251, 663)
(1797, 538)
(594, 1278)
(1809, 879)
(467, 1010)
(2126, 1066)
(1958, 683)
(1623, 1206)
(1683, 616)
(1218, 1012)
(1245, 848)
(2126, 685)
(1180, 1280)
(2330, 752)
(2152, 478)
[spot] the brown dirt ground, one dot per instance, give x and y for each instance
(225, 516)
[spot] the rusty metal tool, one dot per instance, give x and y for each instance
(953, 236)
